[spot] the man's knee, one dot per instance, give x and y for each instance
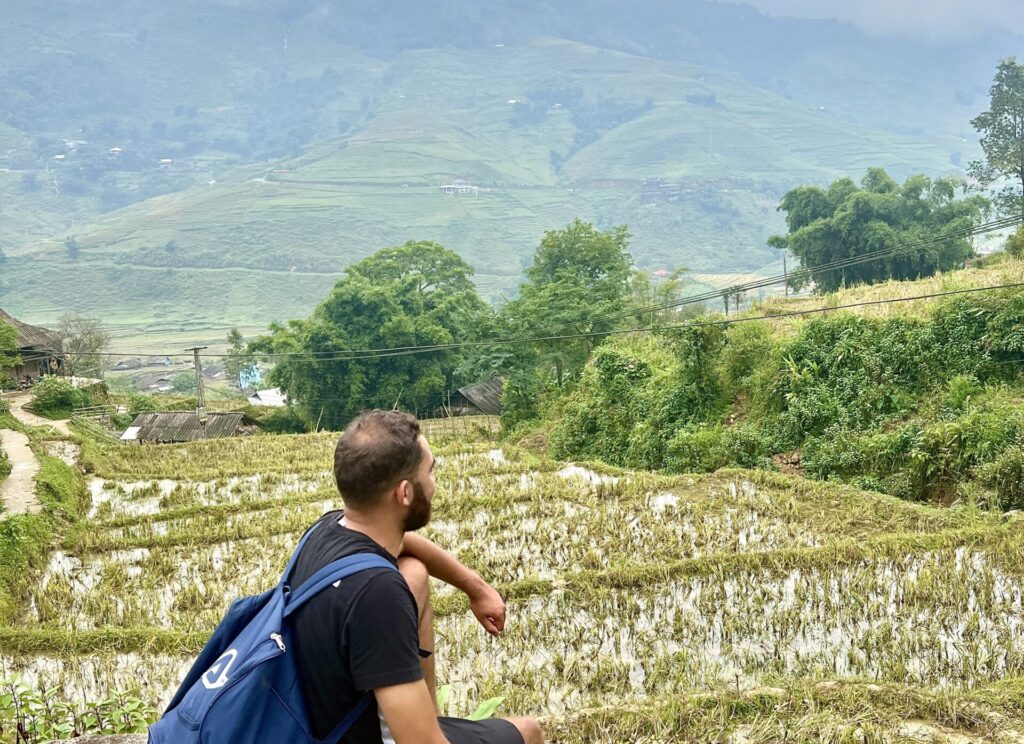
(530, 729)
(416, 577)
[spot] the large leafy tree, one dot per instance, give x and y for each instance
(1002, 138)
(903, 222)
(577, 284)
(415, 295)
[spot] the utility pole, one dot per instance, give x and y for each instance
(785, 274)
(200, 397)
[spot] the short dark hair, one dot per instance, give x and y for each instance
(376, 451)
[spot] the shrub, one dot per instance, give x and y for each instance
(1015, 243)
(56, 398)
(702, 449)
(285, 420)
(5, 465)
(1005, 474)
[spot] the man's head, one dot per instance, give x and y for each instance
(383, 464)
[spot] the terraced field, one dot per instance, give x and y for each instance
(741, 606)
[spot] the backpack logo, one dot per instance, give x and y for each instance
(217, 676)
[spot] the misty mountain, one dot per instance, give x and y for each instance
(171, 142)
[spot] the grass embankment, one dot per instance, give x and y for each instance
(26, 539)
(919, 400)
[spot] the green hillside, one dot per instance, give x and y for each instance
(697, 182)
(299, 138)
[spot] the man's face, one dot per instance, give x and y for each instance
(423, 486)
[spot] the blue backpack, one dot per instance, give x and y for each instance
(244, 687)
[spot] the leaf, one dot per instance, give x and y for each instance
(486, 709)
(442, 698)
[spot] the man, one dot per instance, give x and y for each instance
(374, 630)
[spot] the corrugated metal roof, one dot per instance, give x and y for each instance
(30, 336)
(184, 426)
(485, 395)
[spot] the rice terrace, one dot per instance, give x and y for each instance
(594, 372)
(741, 606)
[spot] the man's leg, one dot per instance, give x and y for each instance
(418, 579)
(529, 728)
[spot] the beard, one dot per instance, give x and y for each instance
(419, 510)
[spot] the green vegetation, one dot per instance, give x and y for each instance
(8, 349)
(26, 539)
(844, 222)
(922, 404)
(40, 718)
(578, 283)
(56, 398)
(1002, 137)
(418, 294)
(1015, 243)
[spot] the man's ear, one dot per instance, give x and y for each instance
(404, 492)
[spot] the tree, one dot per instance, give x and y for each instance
(72, 247)
(1002, 137)
(238, 358)
(184, 382)
(643, 294)
(846, 221)
(83, 340)
(577, 284)
(416, 295)
(8, 347)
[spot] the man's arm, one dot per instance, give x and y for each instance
(410, 714)
(486, 604)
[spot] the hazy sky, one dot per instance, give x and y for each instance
(929, 17)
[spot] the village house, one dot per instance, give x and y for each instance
(39, 349)
(165, 427)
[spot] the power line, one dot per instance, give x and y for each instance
(423, 349)
(409, 350)
(836, 265)
(354, 354)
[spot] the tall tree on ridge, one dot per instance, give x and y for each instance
(1002, 138)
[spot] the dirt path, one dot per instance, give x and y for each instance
(18, 403)
(18, 490)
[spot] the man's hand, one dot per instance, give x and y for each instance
(489, 608)
(486, 603)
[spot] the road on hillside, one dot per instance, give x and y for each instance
(18, 403)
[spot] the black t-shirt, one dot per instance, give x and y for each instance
(358, 635)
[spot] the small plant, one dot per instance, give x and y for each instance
(35, 716)
(484, 710)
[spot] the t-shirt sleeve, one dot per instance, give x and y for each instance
(383, 635)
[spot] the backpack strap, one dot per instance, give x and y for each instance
(330, 574)
(348, 721)
(295, 556)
